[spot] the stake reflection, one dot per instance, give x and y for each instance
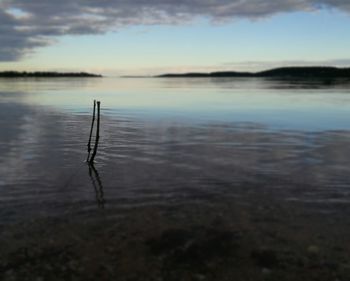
(97, 184)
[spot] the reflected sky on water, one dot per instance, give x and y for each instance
(167, 141)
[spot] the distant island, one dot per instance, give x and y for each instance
(309, 72)
(24, 74)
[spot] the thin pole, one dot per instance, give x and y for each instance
(97, 134)
(91, 130)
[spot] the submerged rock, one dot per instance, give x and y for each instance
(266, 258)
(313, 250)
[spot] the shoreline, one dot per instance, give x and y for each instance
(312, 72)
(16, 74)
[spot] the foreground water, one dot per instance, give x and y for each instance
(195, 179)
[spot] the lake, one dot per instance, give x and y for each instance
(179, 152)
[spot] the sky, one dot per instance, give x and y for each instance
(147, 37)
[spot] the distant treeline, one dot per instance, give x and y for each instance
(18, 74)
(312, 72)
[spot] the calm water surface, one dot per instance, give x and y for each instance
(170, 141)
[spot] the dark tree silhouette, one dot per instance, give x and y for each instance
(24, 74)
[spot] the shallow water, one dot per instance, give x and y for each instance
(170, 141)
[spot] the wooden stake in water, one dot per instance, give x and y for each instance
(91, 130)
(91, 161)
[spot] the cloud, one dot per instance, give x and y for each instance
(26, 25)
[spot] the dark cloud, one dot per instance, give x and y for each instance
(26, 25)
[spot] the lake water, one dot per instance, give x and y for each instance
(170, 141)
